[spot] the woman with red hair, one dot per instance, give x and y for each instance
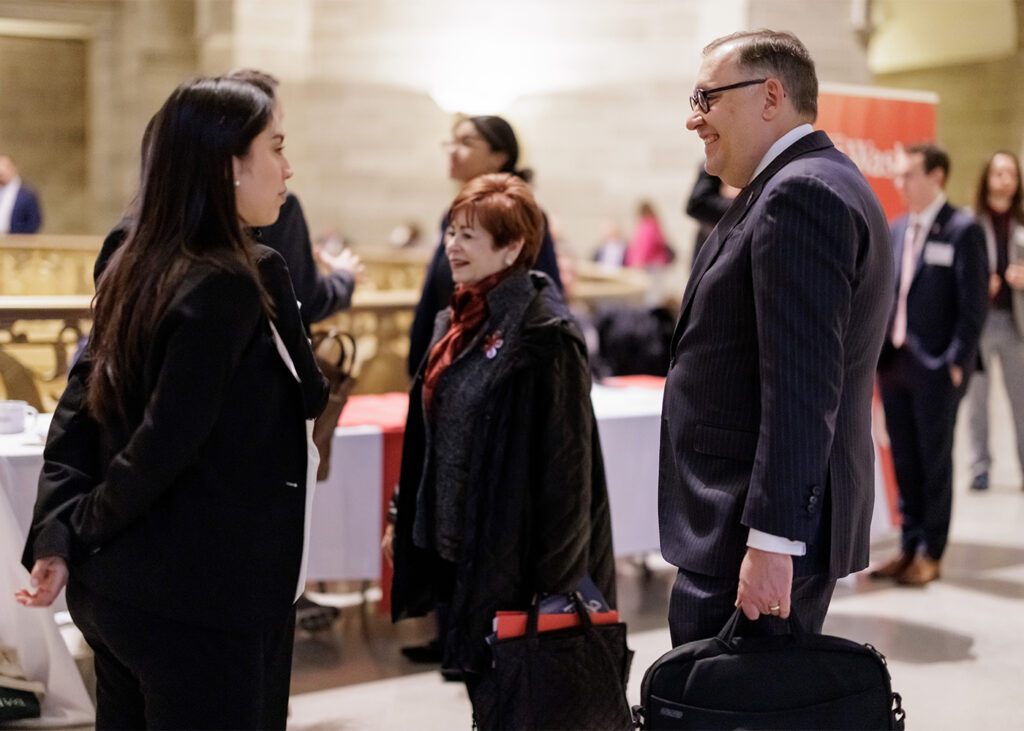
(502, 494)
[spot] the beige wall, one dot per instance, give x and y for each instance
(43, 123)
(135, 52)
(599, 96)
(600, 104)
(981, 109)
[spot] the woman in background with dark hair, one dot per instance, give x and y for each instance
(174, 497)
(502, 491)
(999, 211)
(479, 145)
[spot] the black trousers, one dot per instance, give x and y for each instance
(155, 673)
(700, 605)
(920, 416)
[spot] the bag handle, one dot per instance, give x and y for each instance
(346, 344)
(728, 631)
(534, 612)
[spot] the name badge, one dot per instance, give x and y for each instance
(938, 253)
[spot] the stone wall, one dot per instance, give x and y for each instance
(981, 110)
(43, 123)
(134, 53)
(597, 90)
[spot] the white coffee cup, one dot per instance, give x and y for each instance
(13, 415)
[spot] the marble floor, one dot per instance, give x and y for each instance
(955, 648)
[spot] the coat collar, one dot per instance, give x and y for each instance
(813, 142)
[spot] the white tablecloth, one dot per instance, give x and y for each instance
(41, 649)
(629, 422)
(345, 533)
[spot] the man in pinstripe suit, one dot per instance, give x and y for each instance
(767, 477)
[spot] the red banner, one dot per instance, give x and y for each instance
(872, 125)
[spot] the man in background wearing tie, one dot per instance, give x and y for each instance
(941, 282)
(766, 481)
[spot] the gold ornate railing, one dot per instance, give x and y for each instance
(46, 288)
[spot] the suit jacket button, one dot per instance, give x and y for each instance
(810, 508)
(816, 490)
(812, 499)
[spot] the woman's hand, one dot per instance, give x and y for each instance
(345, 260)
(387, 544)
(49, 575)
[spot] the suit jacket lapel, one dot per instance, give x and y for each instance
(735, 213)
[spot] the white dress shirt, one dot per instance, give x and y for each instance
(312, 462)
(8, 195)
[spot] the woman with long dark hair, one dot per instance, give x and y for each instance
(174, 497)
(999, 211)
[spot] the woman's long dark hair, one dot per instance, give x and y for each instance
(185, 214)
(981, 197)
(500, 137)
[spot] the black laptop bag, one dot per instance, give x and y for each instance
(791, 681)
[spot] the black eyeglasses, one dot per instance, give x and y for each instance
(699, 100)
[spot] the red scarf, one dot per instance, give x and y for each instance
(469, 310)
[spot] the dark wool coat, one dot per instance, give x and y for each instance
(536, 516)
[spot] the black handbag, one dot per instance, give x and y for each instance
(336, 356)
(791, 681)
(572, 678)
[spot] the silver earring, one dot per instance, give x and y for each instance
(508, 262)
(238, 183)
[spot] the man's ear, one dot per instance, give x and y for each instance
(773, 99)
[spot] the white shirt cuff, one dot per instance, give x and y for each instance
(775, 544)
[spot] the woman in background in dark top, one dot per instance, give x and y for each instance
(479, 145)
(502, 490)
(174, 495)
(708, 202)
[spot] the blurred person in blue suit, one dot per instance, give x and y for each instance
(19, 206)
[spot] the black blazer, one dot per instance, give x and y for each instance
(194, 509)
(766, 421)
(948, 297)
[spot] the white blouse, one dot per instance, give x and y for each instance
(312, 462)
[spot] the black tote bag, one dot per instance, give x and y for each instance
(573, 678)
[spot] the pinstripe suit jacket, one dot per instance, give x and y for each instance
(766, 421)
